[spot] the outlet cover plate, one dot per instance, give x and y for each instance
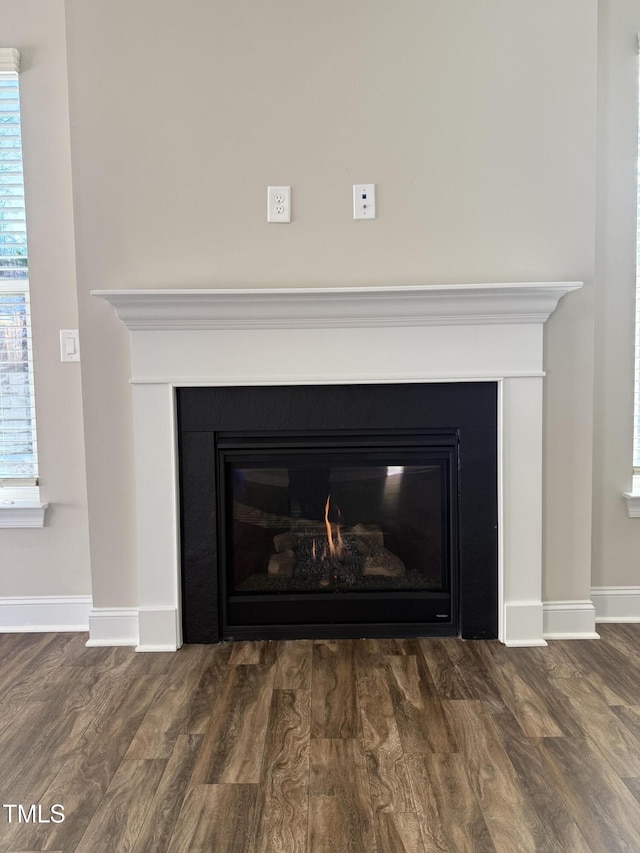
(364, 201)
(278, 204)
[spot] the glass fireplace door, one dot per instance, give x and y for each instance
(338, 529)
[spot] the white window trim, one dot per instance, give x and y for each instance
(632, 498)
(9, 60)
(20, 504)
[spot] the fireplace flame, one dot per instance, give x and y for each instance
(336, 545)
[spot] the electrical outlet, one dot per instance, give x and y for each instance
(278, 204)
(364, 201)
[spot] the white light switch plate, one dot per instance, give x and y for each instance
(69, 345)
(364, 201)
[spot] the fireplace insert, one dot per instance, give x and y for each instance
(338, 511)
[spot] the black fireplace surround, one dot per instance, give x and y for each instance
(338, 511)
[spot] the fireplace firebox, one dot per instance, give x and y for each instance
(321, 524)
(338, 511)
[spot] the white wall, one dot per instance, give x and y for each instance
(54, 560)
(475, 120)
(616, 538)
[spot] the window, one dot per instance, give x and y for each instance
(633, 497)
(636, 396)
(18, 446)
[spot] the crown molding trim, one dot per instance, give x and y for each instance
(343, 307)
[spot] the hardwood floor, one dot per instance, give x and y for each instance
(344, 746)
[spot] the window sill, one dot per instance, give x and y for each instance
(22, 507)
(633, 498)
(633, 504)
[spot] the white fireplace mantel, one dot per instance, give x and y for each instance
(338, 307)
(469, 332)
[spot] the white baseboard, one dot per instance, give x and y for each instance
(56, 613)
(616, 603)
(159, 629)
(523, 624)
(113, 626)
(148, 629)
(569, 620)
(120, 626)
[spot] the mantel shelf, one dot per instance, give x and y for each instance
(340, 307)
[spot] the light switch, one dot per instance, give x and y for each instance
(69, 345)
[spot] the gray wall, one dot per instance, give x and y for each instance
(54, 560)
(476, 121)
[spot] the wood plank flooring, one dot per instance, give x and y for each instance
(343, 746)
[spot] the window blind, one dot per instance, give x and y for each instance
(18, 450)
(636, 390)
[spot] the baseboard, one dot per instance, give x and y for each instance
(120, 626)
(569, 620)
(159, 629)
(55, 613)
(523, 624)
(616, 603)
(113, 626)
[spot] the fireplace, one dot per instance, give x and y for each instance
(338, 511)
(485, 335)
